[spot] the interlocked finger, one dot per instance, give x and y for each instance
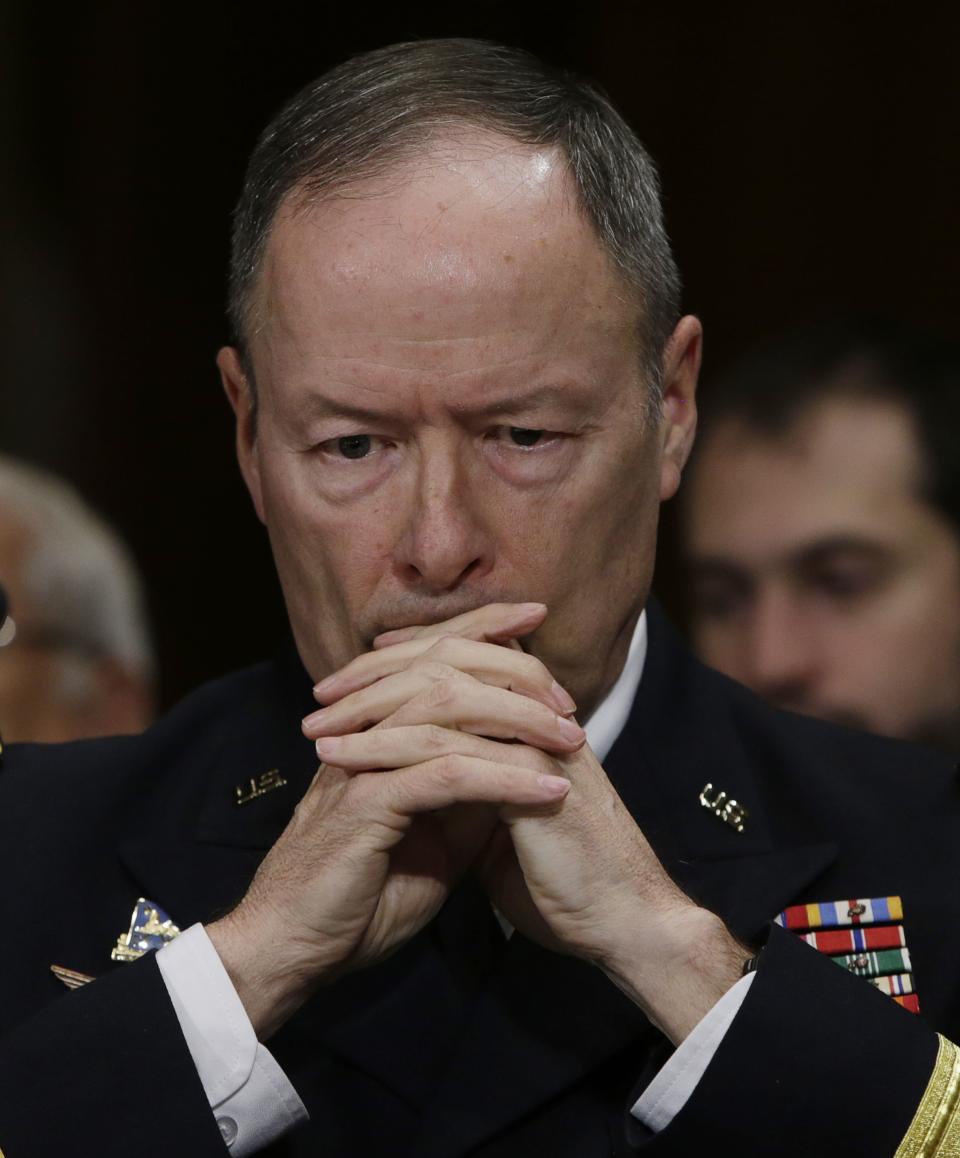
(456, 779)
(404, 746)
(437, 694)
(369, 705)
(481, 710)
(514, 670)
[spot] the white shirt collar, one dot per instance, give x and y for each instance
(609, 717)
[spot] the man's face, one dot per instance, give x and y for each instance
(821, 578)
(452, 412)
(31, 704)
(49, 691)
(28, 675)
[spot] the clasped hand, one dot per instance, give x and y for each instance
(444, 750)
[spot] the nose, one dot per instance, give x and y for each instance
(780, 650)
(445, 542)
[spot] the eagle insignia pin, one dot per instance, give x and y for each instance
(150, 929)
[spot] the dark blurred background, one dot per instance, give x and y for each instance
(809, 157)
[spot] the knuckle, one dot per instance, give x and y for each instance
(442, 647)
(537, 714)
(448, 770)
(537, 761)
(374, 741)
(426, 665)
(441, 693)
(534, 670)
(434, 737)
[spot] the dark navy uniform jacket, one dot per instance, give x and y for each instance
(461, 1043)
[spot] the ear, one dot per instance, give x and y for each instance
(240, 393)
(681, 365)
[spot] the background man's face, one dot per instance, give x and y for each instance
(29, 704)
(451, 412)
(49, 692)
(821, 578)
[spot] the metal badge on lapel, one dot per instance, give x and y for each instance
(70, 977)
(724, 807)
(259, 786)
(865, 937)
(150, 928)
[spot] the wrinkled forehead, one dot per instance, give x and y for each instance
(471, 222)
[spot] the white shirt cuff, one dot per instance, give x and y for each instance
(667, 1094)
(251, 1097)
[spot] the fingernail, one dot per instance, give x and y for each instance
(564, 700)
(570, 730)
(555, 786)
(314, 720)
(327, 746)
(321, 687)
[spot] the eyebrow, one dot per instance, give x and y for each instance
(809, 555)
(576, 398)
(824, 550)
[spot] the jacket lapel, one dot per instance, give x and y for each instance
(191, 847)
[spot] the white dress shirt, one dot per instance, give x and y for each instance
(251, 1097)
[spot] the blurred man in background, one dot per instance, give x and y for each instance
(75, 656)
(821, 528)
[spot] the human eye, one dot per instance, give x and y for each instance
(845, 576)
(351, 447)
(524, 437)
(844, 582)
(719, 598)
(529, 455)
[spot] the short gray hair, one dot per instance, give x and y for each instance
(373, 110)
(78, 572)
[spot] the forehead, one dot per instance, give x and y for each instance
(848, 465)
(473, 237)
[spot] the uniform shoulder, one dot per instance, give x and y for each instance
(845, 767)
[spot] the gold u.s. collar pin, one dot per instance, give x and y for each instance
(724, 807)
(258, 786)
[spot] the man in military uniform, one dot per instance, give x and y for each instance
(462, 387)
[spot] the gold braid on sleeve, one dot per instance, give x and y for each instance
(935, 1129)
